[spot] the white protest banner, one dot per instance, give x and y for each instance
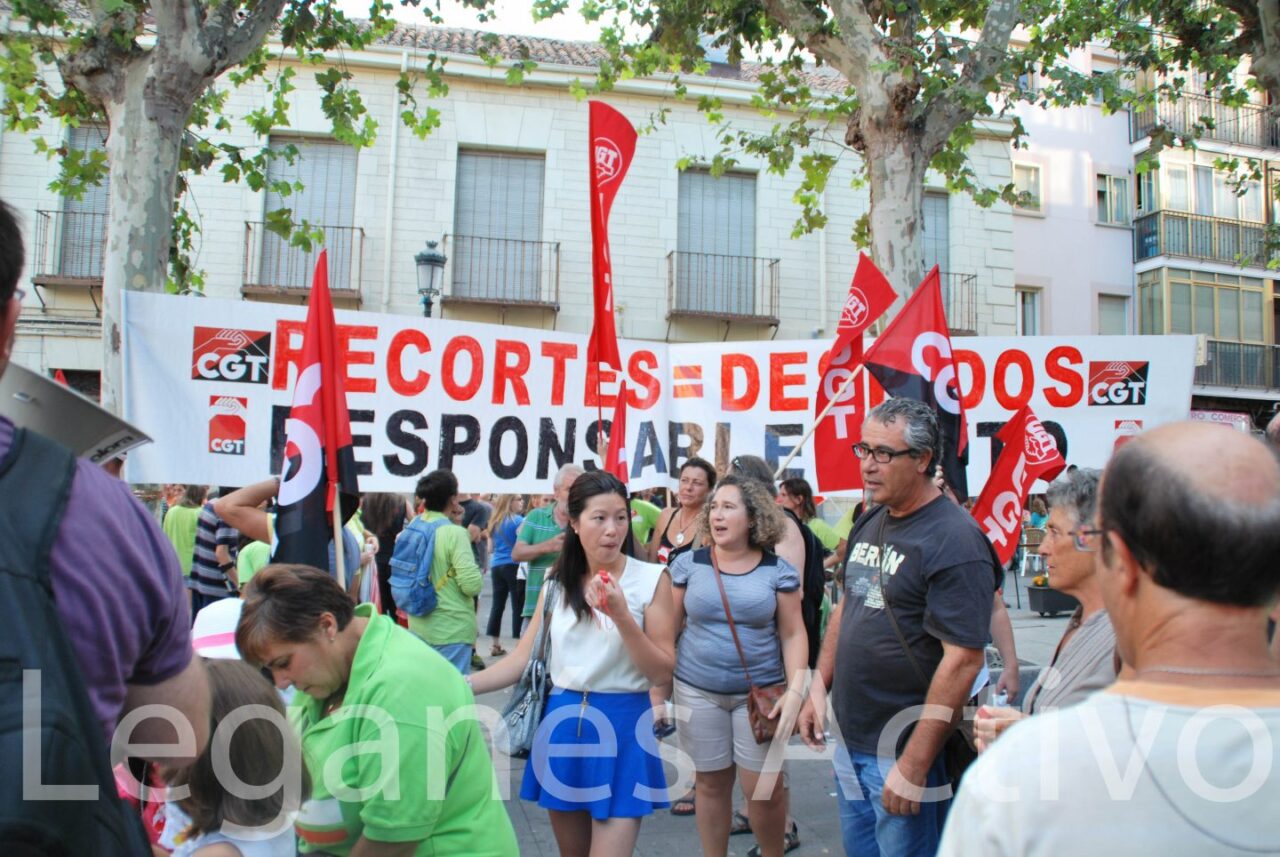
(503, 407)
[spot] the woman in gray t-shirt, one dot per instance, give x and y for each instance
(763, 592)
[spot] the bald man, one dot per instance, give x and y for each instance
(1187, 541)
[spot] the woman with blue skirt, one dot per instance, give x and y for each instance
(595, 766)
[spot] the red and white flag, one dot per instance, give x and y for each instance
(870, 295)
(912, 359)
(319, 467)
(613, 143)
(616, 458)
(1029, 453)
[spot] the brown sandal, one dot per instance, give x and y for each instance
(497, 651)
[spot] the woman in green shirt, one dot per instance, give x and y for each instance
(180, 524)
(396, 768)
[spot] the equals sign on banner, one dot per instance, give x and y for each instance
(687, 382)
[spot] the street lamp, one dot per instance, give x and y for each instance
(430, 262)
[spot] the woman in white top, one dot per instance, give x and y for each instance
(612, 638)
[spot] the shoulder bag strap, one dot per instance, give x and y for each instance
(715, 566)
(551, 592)
(888, 605)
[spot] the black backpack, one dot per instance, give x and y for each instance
(813, 586)
(35, 481)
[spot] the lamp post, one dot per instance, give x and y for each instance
(430, 262)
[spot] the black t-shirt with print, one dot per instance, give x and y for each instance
(939, 570)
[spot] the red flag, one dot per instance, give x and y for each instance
(912, 359)
(1029, 453)
(319, 460)
(60, 377)
(869, 296)
(615, 460)
(613, 142)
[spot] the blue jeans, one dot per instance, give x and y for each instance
(868, 829)
(458, 654)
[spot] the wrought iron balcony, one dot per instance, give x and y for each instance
(69, 249)
(503, 271)
(707, 285)
(1248, 125)
(1198, 236)
(960, 302)
(273, 267)
(1241, 364)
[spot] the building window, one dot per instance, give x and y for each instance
(498, 250)
(1113, 199)
(1113, 315)
(937, 232)
(1026, 83)
(84, 220)
(1026, 180)
(1220, 306)
(1177, 190)
(715, 266)
(1028, 312)
(326, 169)
(1148, 199)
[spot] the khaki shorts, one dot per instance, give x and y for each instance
(716, 734)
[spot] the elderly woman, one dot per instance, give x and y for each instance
(1085, 660)
(350, 664)
(677, 529)
(762, 593)
(612, 636)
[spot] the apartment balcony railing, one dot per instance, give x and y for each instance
(69, 249)
(504, 271)
(1248, 125)
(960, 302)
(707, 285)
(274, 267)
(1241, 364)
(1198, 236)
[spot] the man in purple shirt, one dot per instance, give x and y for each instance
(116, 582)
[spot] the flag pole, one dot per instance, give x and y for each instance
(338, 558)
(602, 438)
(795, 450)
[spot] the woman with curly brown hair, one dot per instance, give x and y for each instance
(762, 593)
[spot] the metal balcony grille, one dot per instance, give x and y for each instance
(1198, 236)
(1249, 124)
(507, 271)
(273, 267)
(723, 287)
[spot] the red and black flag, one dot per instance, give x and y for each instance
(319, 467)
(912, 359)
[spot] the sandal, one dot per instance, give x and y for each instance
(790, 842)
(497, 651)
(684, 805)
(739, 824)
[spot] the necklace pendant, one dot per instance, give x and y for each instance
(680, 538)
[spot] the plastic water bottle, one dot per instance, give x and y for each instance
(1001, 699)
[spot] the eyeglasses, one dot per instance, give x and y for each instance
(1079, 537)
(880, 455)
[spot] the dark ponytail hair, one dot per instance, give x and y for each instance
(570, 569)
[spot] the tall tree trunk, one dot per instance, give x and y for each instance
(896, 166)
(146, 120)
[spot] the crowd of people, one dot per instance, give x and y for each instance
(259, 709)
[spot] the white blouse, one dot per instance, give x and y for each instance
(588, 654)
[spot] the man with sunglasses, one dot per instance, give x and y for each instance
(910, 631)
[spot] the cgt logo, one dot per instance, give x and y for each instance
(224, 354)
(226, 426)
(1118, 382)
(608, 159)
(856, 309)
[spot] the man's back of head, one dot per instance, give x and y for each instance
(1198, 507)
(436, 490)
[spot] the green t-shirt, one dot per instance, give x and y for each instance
(539, 526)
(458, 581)
(180, 526)
(644, 517)
(845, 525)
(441, 791)
(251, 559)
(830, 538)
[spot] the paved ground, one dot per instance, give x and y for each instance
(812, 788)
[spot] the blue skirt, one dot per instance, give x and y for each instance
(600, 757)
